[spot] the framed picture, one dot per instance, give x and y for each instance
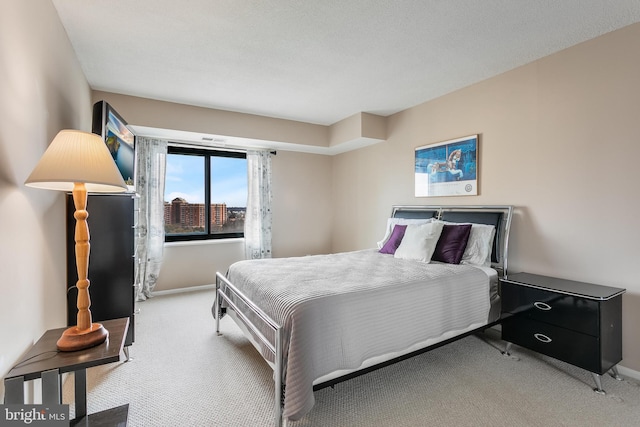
(448, 168)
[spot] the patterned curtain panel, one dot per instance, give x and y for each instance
(257, 226)
(151, 157)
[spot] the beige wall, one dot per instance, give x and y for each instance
(187, 264)
(301, 187)
(302, 204)
(42, 90)
(301, 224)
(169, 115)
(560, 140)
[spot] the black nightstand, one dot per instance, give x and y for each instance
(578, 323)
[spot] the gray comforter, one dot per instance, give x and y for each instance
(340, 310)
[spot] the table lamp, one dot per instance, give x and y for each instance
(79, 162)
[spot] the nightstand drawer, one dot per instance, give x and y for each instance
(570, 312)
(572, 347)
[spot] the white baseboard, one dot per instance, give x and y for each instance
(629, 372)
(181, 290)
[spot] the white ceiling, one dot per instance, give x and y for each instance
(320, 61)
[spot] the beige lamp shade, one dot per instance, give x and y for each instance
(77, 157)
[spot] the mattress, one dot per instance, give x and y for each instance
(340, 312)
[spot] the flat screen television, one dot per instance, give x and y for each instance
(119, 139)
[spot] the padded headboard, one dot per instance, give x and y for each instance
(498, 216)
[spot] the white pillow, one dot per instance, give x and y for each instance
(479, 245)
(419, 241)
(391, 222)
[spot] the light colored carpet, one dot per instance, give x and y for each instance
(182, 374)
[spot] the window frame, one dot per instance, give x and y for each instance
(207, 154)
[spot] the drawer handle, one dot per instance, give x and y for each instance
(542, 306)
(543, 338)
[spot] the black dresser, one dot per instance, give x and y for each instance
(578, 323)
(111, 259)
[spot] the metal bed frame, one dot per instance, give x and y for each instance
(500, 216)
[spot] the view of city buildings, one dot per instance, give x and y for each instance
(183, 217)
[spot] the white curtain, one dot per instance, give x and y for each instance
(257, 226)
(151, 163)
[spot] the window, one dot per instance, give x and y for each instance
(205, 194)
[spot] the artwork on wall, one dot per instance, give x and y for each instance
(448, 168)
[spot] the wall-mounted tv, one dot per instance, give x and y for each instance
(119, 139)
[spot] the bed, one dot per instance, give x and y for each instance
(318, 320)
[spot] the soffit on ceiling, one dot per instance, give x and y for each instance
(319, 62)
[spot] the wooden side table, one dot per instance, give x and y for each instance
(43, 360)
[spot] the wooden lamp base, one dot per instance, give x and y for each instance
(74, 339)
(85, 334)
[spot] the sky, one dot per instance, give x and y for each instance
(185, 179)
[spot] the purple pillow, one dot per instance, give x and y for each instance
(452, 243)
(394, 240)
